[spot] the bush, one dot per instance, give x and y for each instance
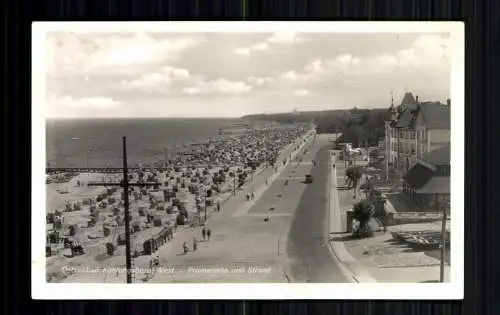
(180, 219)
(363, 231)
(363, 211)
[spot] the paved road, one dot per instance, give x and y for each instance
(307, 247)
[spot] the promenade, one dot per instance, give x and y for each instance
(243, 247)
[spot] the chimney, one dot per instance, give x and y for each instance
(448, 102)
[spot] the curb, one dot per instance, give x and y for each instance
(348, 264)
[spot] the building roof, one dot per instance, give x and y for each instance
(435, 115)
(404, 119)
(436, 185)
(418, 176)
(440, 156)
(408, 101)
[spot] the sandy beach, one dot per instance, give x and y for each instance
(92, 217)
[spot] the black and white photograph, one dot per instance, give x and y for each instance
(248, 160)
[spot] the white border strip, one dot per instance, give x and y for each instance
(43, 290)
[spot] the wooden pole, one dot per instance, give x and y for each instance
(125, 185)
(128, 257)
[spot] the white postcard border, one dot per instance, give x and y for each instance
(452, 290)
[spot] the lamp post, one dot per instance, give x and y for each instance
(205, 202)
(234, 185)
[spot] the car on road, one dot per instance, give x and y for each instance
(309, 179)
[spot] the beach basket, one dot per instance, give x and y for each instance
(171, 210)
(136, 226)
(50, 218)
(110, 248)
(53, 237)
(73, 230)
(106, 231)
(57, 225)
(120, 240)
(158, 221)
(120, 221)
(142, 211)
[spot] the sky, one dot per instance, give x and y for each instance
(140, 74)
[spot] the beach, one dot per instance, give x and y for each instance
(91, 218)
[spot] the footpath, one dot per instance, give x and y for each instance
(230, 251)
(337, 222)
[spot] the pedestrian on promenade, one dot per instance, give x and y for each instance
(248, 196)
(266, 181)
(253, 195)
(218, 205)
(209, 233)
(195, 244)
(204, 233)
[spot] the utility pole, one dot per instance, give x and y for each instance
(443, 241)
(126, 185)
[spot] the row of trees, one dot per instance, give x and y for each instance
(358, 126)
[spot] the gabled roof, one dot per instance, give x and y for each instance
(440, 156)
(418, 175)
(435, 115)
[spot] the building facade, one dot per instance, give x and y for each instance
(427, 183)
(415, 129)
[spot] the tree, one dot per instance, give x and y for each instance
(354, 175)
(363, 212)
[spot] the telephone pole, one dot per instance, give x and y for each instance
(126, 185)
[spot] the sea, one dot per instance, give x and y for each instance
(98, 142)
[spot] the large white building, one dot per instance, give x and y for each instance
(415, 129)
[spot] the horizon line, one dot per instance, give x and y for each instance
(216, 117)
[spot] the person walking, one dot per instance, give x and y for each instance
(218, 205)
(209, 233)
(252, 196)
(204, 233)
